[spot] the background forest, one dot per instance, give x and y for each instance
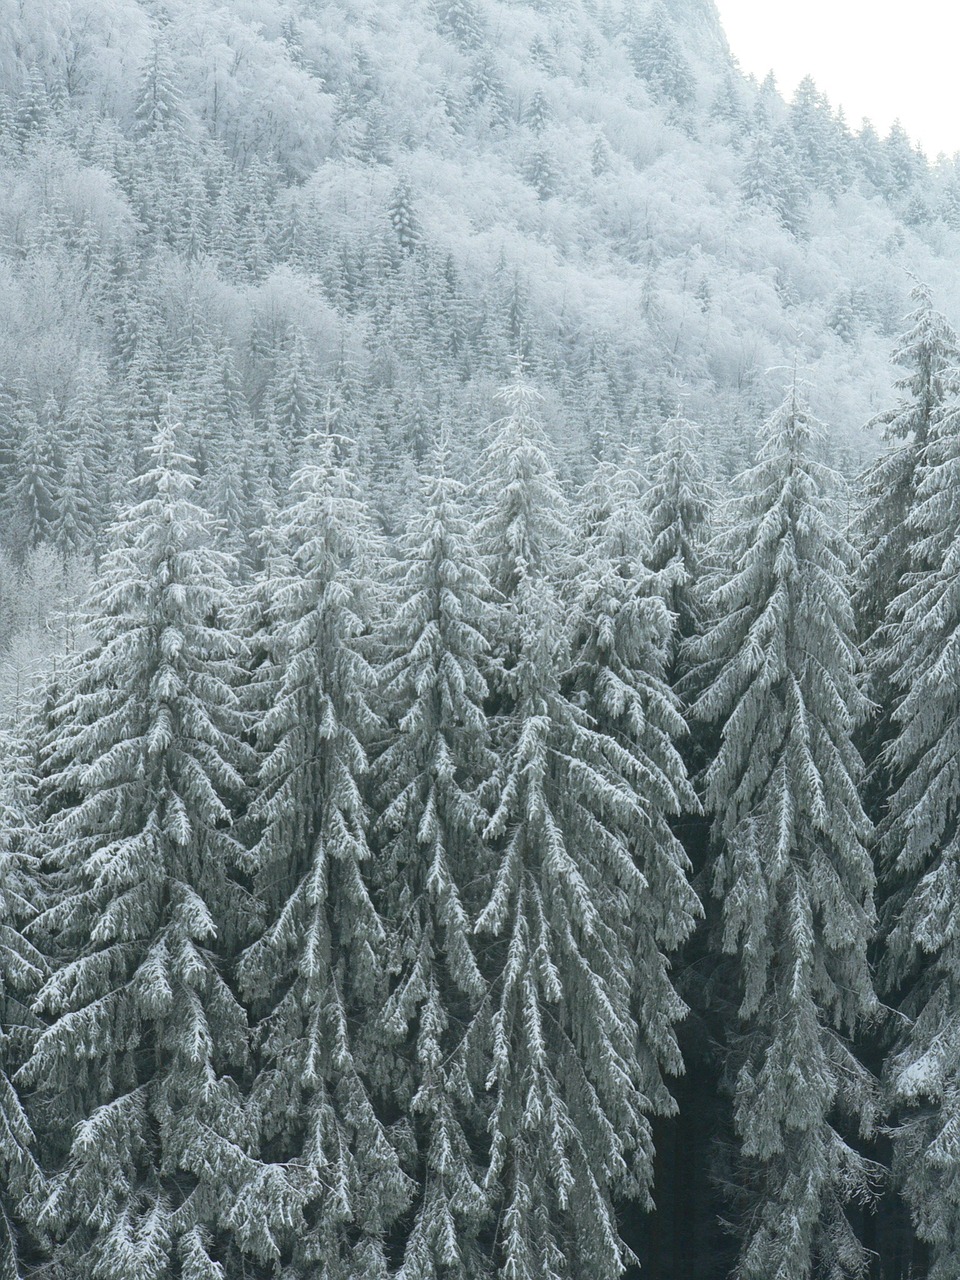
(479, 756)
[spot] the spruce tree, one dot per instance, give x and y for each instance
(137, 1070)
(328, 1185)
(578, 1023)
(74, 525)
(461, 19)
(22, 970)
(291, 407)
(403, 217)
(33, 107)
(678, 506)
(920, 855)
(431, 863)
(792, 867)
(33, 492)
(158, 108)
(929, 352)
(622, 647)
(658, 58)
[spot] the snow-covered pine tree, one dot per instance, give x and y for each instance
(576, 1044)
(920, 855)
(658, 58)
(137, 1070)
(403, 217)
(22, 970)
(929, 352)
(678, 504)
(431, 864)
(463, 20)
(623, 643)
(291, 412)
(328, 1184)
(74, 525)
(792, 867)
(33, 108)
(32, 496)
(158, 108)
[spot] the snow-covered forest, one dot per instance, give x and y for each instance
(479, 652)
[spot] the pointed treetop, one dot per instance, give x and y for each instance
(524, 526)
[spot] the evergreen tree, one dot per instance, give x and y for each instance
(537, 114)
(601, 160)
(292, 405)
(818, 138)
(87, 426)
(578, 1024)
(33, 492)
(905, 165)
(920, 855)
(328, 1184)
(462, 20)
(22, 969)
(659, 59)
(33, 106)
(158, 109)
(74, 525)
(431, 864)
(624, 640)
(792, 869)
(728, 106)
(403, 217)
(870, 156)
(540, 170)
(138, 1069)
(929, 352)
(487, 86)
(769, 179)
(678, 506)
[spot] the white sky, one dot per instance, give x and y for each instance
(876, 58)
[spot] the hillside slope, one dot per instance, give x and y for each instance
(284, 213)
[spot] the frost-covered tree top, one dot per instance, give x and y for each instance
(523, 527)
(678, 502)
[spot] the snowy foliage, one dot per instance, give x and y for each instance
(793, 869)
(588, 886)
(145, 1042)
(327, 1181)
(920, 848)
(22, 970)
(433, 859)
